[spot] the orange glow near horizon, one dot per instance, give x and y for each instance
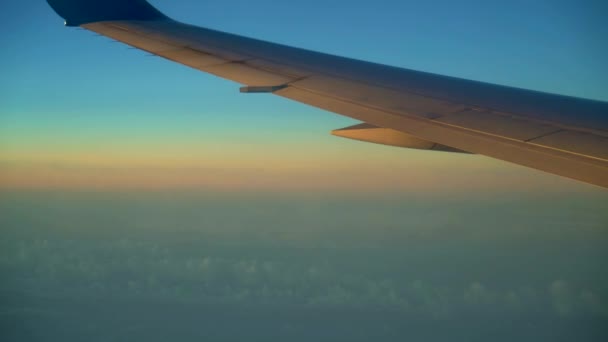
(270, 169)
(217, 158)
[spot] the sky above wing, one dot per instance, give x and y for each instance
(80, 111)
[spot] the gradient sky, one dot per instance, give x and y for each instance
(79, 111)
(303, 236)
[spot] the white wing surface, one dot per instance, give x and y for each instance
(558, 134)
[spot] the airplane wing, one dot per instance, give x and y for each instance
(558, 134)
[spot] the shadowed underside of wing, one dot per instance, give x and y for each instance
(558, 134)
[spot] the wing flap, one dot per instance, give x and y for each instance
(245, 74)
(283, 69)
(581, 143)
(401, 103)
(496, 124)
(543, 158)
(192, 58)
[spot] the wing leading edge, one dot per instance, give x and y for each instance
(558, 134)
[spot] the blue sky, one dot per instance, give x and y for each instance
(69, 97)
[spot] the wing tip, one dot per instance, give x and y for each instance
(79, 12)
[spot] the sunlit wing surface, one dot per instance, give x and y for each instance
(388, 136)
(558, 134)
